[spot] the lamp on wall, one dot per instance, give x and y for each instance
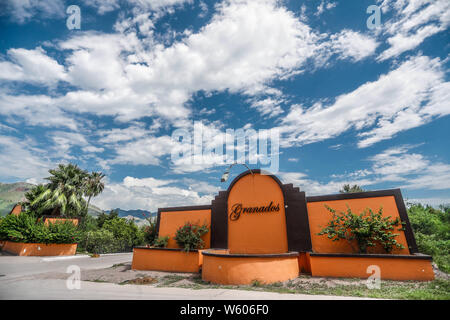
(226, 174)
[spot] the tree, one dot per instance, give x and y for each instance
(64, 192)
(93, 186)
(351, 189)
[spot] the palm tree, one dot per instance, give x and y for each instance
(64, 192)
(93, 186)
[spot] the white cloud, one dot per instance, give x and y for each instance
(323, 6)
(32, 66)
(34, 110)
(19, 160)
(413, 22)
(21, 11)
(406, 97)
(148, 194)
(398, 166)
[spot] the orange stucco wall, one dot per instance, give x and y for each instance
(263, 232)
(53, 220)
(391, 268)
(171, 221)
(319, 217)
(166, 260)
(226, 270)
(40, 249)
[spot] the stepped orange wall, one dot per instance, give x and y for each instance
(319, 217)
(172, 220)
(257, 232)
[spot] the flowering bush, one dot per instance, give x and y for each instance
(189, 236)
(367, 228)
(25, 228)
(161, 242)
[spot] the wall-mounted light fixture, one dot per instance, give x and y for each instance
(226, 174)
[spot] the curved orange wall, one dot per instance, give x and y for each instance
(171, 221)
(319, 217)
(257, 232)
(226, 270)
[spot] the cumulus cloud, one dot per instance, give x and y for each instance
(413, 22)
(33, 66)
(398, 166)
(20, 160)
(21, 11)
(406, 97)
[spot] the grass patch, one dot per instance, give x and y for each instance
(170, 279)
(438, 289)
(140, 281)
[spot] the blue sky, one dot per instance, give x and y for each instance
(352, 104)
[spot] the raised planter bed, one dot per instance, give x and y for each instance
(219, 266)
(40, 249)
(166, 259)
(392, 266)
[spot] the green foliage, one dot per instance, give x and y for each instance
(189, 236)
(432, 232)
(351, 189)
(64, 193)
(25, 228)
(161, 242)
(367, 228)
(126, 232)
(103, 217)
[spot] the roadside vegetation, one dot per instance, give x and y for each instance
(68, 194)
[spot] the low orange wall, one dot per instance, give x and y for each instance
(245, 270)
(392, 268)
(172, 220)
(2, 243)
(171, 260)
(40, 249)
(319, 217)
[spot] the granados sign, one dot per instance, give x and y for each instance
(237, 209)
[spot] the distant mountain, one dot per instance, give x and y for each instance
(134, 213)
(10, 194)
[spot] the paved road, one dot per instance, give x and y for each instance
(17, 282)
(14, 266)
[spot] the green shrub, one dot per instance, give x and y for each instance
(367, 228)
(150, 231)
(25, 228)
(126, 232)
(161, 242)
(189, 236)
(101, 241)
(432, 232)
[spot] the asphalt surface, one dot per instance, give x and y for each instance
(18, 280)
